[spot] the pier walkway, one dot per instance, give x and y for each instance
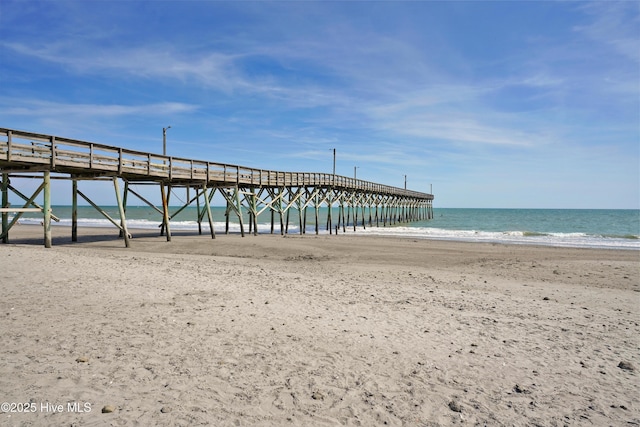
(248, 192)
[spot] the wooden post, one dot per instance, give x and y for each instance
(330, 212)
(249, 212)
(124, 205)
(253, 212)
(273, 218)
(5, 204)
(286, 230)
(280, 212)
(226, 216)
(165, 212)
(254, 208)
(355, 215)
(125, 197)
(9, 145)
(316, 211)
(74, 210)
(199, 217)
(47, 209)
(239, 204)
(346, 219)
(300, 214)
(53, 153)
(384, 213)
(123, 221)
(363, 216)
(208, 207)
(304, 221)
(377, 219)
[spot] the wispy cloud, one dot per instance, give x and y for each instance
(459, 114)
(38, 108)
(615, 24)
(211, 69)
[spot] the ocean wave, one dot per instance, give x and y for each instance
(533, 234)
(580, 240)
(621, 236)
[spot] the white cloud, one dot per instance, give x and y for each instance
(38, 108)
(615, 24)
(212, 69)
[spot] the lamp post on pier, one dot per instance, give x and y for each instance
(405, 182)
(164, 140)
(334, 166)
(334, 161)
(355, 173)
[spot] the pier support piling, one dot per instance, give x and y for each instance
(207, 204)
(5, 204)
(165, 211)
(74, 210)
(47, 209)
(121, 209)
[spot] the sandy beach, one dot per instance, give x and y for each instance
(315, 330)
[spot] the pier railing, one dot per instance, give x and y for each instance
(64, 155)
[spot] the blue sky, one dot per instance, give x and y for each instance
(495, 104)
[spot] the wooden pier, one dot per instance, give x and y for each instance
(245, 190)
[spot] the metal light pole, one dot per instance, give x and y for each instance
(334, 161)
(164, 140)
(405, 182)
(355, 173)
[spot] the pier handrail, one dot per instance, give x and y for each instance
(59, 154)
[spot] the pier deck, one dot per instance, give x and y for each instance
(32, 155)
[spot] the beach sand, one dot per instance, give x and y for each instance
(315, 330)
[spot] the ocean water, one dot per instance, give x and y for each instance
(595, 228)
